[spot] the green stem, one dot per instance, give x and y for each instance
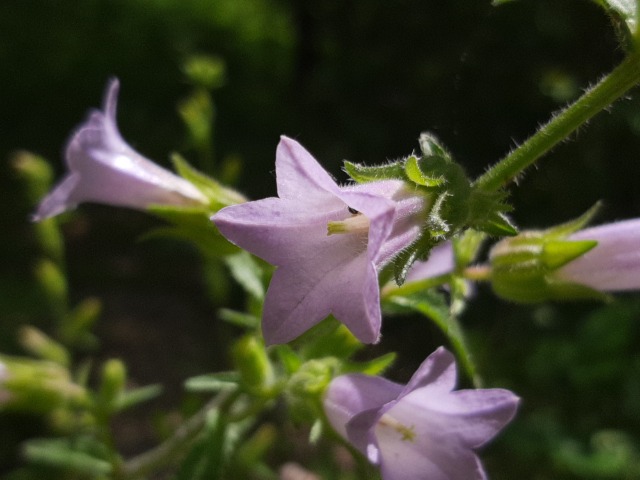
(563, 124)
(163, 454)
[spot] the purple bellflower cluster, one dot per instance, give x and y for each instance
(329, 243)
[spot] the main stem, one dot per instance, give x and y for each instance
(564, 123)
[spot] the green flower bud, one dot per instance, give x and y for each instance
(114, 378)
(39, 344)
(252, 361)
(522, 267)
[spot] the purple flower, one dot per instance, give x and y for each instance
(105, 169)
(423, 430)
(613, 264)
(327, 241)
(440, 262)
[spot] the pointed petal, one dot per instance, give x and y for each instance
(438, 372)
(351, 402)
(299, 176)
(472, 416)
(60, 199)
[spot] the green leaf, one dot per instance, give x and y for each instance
(239, 319)
(377, 366)
(364, 174)
(131, 398)
(219, 195)
(206, 458)
(247, 272)
(66, 454)
(212, 382)
(557, 253)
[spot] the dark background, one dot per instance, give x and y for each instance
(350, 79)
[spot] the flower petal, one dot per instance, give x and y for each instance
(440, 262)
(299, 176)
(104, 169)
(351, 402)
(418, 443)
(613, 264)
(437, 372)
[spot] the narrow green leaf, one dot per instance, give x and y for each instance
(131, 398)
(431, 147)
(212, 382)
(239, 319)
(65, 454)
(377, 366)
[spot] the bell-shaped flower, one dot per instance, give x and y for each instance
(103, 168)
(327, 241)
(423, 430)
(613, 264)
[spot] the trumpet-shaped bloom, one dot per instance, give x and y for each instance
(103, 168)
(613, 264)
(423, 430)
(327, 241)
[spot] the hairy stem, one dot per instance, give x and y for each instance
(563, 124)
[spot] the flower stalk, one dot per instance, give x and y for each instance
(563, 124)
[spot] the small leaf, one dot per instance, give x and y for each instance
(131, 398)
(572, 226)
(239, 319)
(246, 271)
(212, 382)
(63, 453)
(377, 366)
(364, 174)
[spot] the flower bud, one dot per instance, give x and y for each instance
(253, 363)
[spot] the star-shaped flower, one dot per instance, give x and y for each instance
(327, 241)
(103, 168)
(423, 430)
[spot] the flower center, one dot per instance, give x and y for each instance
(356, 223)
(407, 432)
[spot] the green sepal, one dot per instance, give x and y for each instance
(418, 250)
(431, 147)
(365, 174)
(572, 226)
(557, 253)
(213, 382)
(416, 175)
(488, 213)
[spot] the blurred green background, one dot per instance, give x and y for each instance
(350, 79)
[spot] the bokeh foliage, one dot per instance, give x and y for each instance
(355, 79)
